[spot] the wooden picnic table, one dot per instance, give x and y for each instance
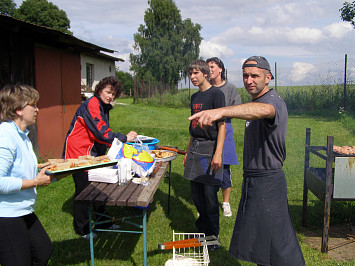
(126, 195)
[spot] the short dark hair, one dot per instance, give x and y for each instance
(15, 97)
(220, 64)
(113, 82)
(199, 65)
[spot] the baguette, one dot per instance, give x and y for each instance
(100, 159)
(80, 163)
(42, 165)
(86, 157)
(61, 166)
(344, 149)
(56, 161)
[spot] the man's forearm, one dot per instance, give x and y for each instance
(249, 111)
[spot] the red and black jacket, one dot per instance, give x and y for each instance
(89, 132)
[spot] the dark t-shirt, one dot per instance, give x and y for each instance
(265, 139)
(204, 100)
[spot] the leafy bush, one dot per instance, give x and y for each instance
(179, 99)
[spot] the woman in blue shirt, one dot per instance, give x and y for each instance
(23, 240)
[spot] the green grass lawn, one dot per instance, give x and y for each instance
(170, 126)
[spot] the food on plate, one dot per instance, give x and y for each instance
(81, 163)
(100, 159)
(56, 160)
(161, 153)
(344, 149)
(86, 157)
(140, 180)
(63, 164)
(42, 165)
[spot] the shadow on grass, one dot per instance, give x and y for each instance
(222, 257)
(68, 205)
(182, 219)
(341, 214)
(107, 246)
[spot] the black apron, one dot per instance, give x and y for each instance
(263, 231)
(198, 163)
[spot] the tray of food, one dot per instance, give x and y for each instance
(70, 166)
(344, 150)
(163, 155)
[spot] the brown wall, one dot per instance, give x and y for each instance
(58, 82)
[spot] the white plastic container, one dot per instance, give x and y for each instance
(106, 175)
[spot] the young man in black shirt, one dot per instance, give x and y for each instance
(203, 159)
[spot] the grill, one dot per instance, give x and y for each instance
(328, 183)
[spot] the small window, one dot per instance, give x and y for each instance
(89, 75)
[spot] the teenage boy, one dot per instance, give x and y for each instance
(203, 160)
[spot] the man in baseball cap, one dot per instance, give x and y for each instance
(261, 62)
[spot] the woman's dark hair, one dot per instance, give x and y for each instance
(111, 81)
(220, 64)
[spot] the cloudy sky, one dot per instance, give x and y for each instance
(296, 34)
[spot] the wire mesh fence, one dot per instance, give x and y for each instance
(144, 89)
(330, 72)
(310, 86)
(329, 84)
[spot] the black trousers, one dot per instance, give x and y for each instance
(81, 211)
(23, 241)
(206, 202)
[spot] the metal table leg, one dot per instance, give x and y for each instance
(145, 236)
(142, 226)
(169, 173)
(91, 240)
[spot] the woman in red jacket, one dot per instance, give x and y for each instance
(90, 134)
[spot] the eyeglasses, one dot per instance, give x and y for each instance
(34, 105)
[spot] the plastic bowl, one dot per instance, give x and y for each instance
(151, 143)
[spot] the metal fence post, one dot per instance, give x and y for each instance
(346, 62)
(275, 77)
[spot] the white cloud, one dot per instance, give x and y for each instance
(209, 49)
(124, 65)
(338, 30)
(304, 35)
(351, 75)
(283, 31)
(283, 13)
(104, 11)
(277, 36)
(300, 71)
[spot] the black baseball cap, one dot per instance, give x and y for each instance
(261, 62)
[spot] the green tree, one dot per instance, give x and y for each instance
(127, 81)
(7, 7)
(166, 44)
(44, 13)
(348, 12)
